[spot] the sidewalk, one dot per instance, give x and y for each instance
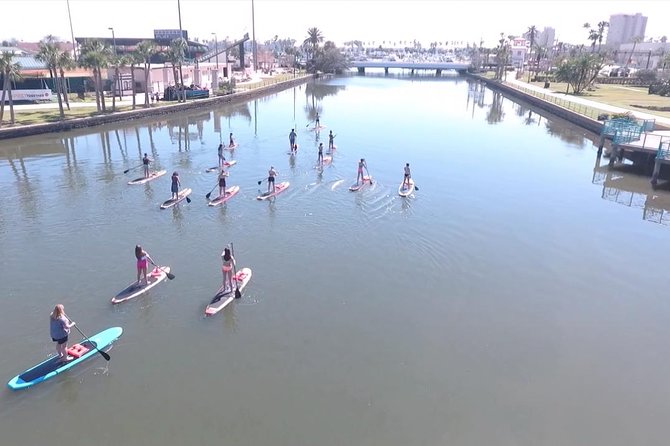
(127, 100)
(583, 101)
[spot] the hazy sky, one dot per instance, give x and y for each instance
(366, 20)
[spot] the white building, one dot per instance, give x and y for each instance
(624, 28)
(646, 55)
(519, 49)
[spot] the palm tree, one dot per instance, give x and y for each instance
(95, 55)
(117, 62)
(532, 33)
(65, 62)
(172, 56)
(601, 31)
(636, 40)
(314, 37)
(145, 49)
(180, 48)
(49, 53)
(11, 71)
(133, 59)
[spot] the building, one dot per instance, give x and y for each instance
(546, 37)
(643, 55)
(624, 28)
(519, 52)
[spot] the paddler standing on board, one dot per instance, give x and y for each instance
(408, 175)
(361, 165)
(272, 173)
(145, 162)
(176, 184)
(142, 264)
(231, 141)
(331, 138)
(227, 268)
(222, 182)
(222, 159)
(59, 326)
(291, 140)
(320, 157)
(317, 121)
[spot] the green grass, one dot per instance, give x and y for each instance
(619, 96)
(41, 116)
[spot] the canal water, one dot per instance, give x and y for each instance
(519, 297)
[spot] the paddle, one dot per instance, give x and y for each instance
(308, 124)
(210, 192)
(369, 176)
(188, 200)
(133, 168)
(238, 294)
(169, 275)
(103, 354)
(260, 181)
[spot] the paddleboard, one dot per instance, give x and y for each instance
(52, 367)
(230, 192)
(171, 202)
(133, 290)
(279, 188)
(405, 191)
(224, 296)
(225, 163)
(152, 176)
(317, 128)
(366, 180)
(233, 147)
(332, 150)
(326, 161)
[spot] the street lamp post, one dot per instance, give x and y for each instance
(253, 36)
(216, 50)
(117, 81)
(74, 46)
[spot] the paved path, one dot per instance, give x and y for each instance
(599, 105)
(127, 100)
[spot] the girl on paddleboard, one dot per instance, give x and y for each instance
(231, 141)
(361, 165)
(272, 173)
(222, 182)
(59, 326)
(142, 258)
(176, 184)
(408, 175)
(318, 121)
(145, 162)
(222, 159)
(331, 139)
(227, 268)
(320, 158)
(291, 140)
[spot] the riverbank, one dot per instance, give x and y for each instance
(580, 111)
(60, 126)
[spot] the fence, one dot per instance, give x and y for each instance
(268, 81)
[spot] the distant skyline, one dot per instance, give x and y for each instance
(366, 20)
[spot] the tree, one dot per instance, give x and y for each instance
(636, 40)
(502, 56)
(314, 37)
(144, 50)
(117, 62)
(11, 72)
(328, 60)
(65, 62)
(133, 59)
(580, 71)
(532, 33)
(49, 53)
(177, 52)
(95, 55)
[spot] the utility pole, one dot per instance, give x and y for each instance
(253, 36)
(181, 36)
(74, 45)
(117, 81)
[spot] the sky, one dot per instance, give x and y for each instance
(365, 20)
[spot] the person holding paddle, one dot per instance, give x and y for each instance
(408, 175)
(59, 326)
(222, 182)
(331, 137)
(231, 141)
(272, 173)
(320, 157)
(222, 159)
(176, 184)
(317, 121)
(361, 165)
(227, 268)
(143, 258)
(145, 162)
(291, 139)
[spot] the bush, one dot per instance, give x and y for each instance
(660, 89)
(646, 75)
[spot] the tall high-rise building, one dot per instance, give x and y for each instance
(624, 28)
(546, 37)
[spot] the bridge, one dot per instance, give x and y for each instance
(361, 65)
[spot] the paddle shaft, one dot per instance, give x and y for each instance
(237, 286)
(133, 168)
(169, 275)
(103, 354)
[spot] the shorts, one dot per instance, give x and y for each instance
(222, 182)
(406, 175)
(174, 189)
(60, 341)
(271, 180)
(142, 264)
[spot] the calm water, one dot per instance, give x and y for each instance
(518, 298)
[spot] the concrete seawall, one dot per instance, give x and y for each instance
(140, 113)
(584, 122)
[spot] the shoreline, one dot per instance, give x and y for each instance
(140, 113)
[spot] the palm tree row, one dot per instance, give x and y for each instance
(11, 72)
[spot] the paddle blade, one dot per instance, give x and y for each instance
(126, 171)
(104, 355)
(170, 276)
(416, 188)
(259, 183)
(238, 293)
(188, 200)
(208, 195)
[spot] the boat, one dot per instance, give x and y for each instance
(404, 191)
(279, 188)
(183, 194)
(230, 163)
(229, 193)
(52, 367)
(326, 161)
(224, 296)
(156, 276)
(355, 187)
(152, 176)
